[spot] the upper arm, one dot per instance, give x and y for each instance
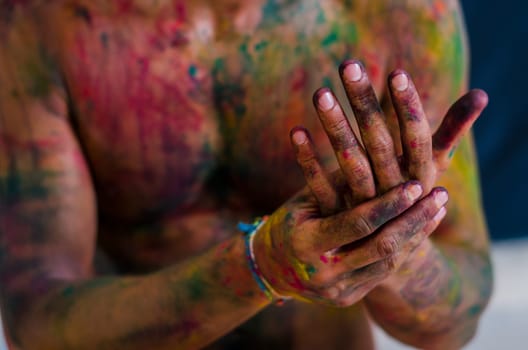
(47, 207)
(430, 43)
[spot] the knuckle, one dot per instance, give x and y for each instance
(387, 246)
(342, 285)
(341, 136)
(360, 173)
(319, 189)
(365, 100)
(389, 165)
(310, 169)
(381, 147)
(413, 107)
(331, 294)
(390, 264)
(306, 157)
(421, 148)
(338, 126)
(423, 140)
(383, 212)
(417, 221)
(361, 225)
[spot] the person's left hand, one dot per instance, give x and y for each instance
(377, 167)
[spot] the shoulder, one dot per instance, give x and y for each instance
(429, 24)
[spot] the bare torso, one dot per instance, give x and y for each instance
(183, 111)
(139, 132)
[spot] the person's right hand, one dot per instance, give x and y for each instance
(339, 258)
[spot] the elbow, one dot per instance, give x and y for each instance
(461, 328)
(14, 329)
(22, 334)
(24, 321)
(456, 332)
(456, 328)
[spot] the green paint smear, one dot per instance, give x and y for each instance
(328, 82)
(464, 162)
(330, 39)
(243, 49)
(261, 45)
(321, 17)
(192, 70)
(459, 71)
(475, 310)
(196, 287)
(68, 291)
(39, 82)
(22, 186)
(452, 152)
(77, 290)
(454, 295)
(311, 270)
(271, 12)
(350, 35)
(341, 33)
(39, 76)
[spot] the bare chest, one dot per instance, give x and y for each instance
(173, 107)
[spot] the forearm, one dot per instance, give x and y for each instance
(436, 299)
(185, 306)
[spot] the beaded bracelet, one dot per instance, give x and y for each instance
(249, 231)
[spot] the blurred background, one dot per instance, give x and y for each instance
(499, 54)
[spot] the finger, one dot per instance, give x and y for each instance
(356, 280)
(348, 292)
(349, 153)
(407, 230)
(354, 224)
(353, 294)
(315, 176)
(429, 228)
(415, 132)
(456, 124)
(371, 121)
(354, 283)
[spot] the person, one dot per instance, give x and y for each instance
(136, 135)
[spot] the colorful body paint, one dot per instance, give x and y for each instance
(151, 128)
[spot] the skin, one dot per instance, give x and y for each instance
(144, 130)
(425, 157)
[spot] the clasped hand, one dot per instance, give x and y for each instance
(348, 231)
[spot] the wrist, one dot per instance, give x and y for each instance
(255, 235)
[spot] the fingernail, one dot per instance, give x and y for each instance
(441, 198)
(440, 215)
(326, 101)
(299, 137)
(353, 72)
(400, 82)
(414, 191)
